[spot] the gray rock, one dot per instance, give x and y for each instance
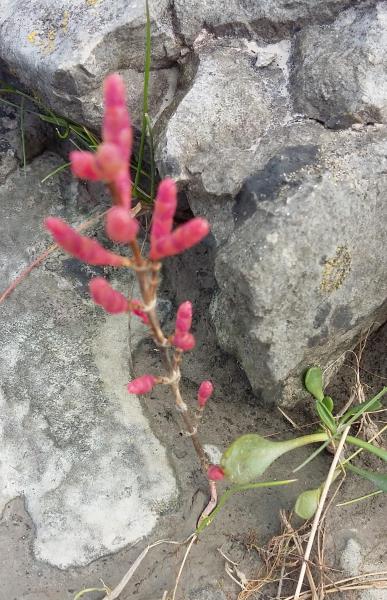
(23, 135)
(269, 19)
(351, 557)
(63, 52)
(74, 444)
(340, 70)
(211, 140)
(206, 593)
(304, 271)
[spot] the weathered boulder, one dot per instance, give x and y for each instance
(62, 51)
(74, 444)
(237, 98)
(304, 271)
(340, 70)
(270, 179)
(267, 19)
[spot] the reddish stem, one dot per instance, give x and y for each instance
(147, 275)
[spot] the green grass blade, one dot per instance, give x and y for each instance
(14, 105)
(152, 158)
(22, 134)
(145, 95)
(380, 452)
(234, 490)
(377, 479)
(364, 407)
(359, 498)
(326, 416)
(311, 456)
(56, 171)
(88, 591)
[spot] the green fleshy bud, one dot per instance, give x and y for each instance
(307, 503)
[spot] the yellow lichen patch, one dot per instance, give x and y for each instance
(65, 20)
(48, 46)
(91, 2)
(336, 270)
(31, 37)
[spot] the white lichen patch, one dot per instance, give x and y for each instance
(74, 444)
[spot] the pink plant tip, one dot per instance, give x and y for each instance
(116, 127)
(164, 210)
(114, 91)
(81, 247)
(103, 294)
(142, 384)
(215, 473)
(83, 165)
(120, 225)
(184, 317)
(182, 238)
(184, 341)
(103, 165)
(110, 163)
(205, 390)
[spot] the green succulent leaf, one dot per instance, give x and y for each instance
(307, 503)
(326, 416)
(314, 382)
(250, 455)
(377, 479)
(328, 403)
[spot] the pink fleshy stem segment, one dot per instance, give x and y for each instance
(103, 294)
(181, 239)
(205, 390)
(184, 318)
(82, 247)
(142, 385)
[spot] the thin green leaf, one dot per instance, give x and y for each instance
(58, 121)
(56, 171)
(152, 158)
(380, 452)
(359, 498)
(22, 134)
(378, 480)
(145, 110)
(350, 412)
(312, 456)
(234, 490)
(88, 591)
(326, 416)
(362, 408)
(14, 105)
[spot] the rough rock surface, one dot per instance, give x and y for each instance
(308, 231)
(268, 19)
(63, 50)
(340, 70)
(74, 443)
(269, 179)
(239, 99)
(22, 137)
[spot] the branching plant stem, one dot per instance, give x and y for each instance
(147, 276)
